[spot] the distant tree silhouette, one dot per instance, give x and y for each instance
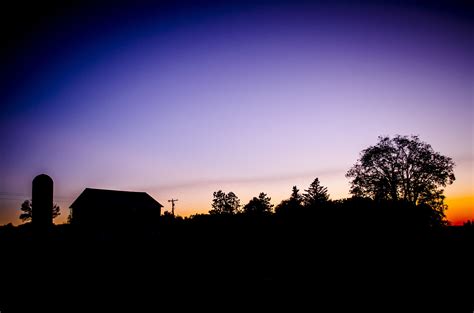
(315, 195)
(223, 203)
(402, 168)
(26, 214)
(296, 197)
(167, 214)
(259, 206)
(27, 210)
(167, 217)
(56, 211)
(291, 206)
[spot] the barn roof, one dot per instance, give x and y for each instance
(114, 198)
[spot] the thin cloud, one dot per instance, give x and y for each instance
(249, 180)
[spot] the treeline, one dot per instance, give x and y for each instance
(399, 181)
(314, 206)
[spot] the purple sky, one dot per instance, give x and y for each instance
(248, 99)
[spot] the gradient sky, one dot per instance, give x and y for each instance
(183, 100)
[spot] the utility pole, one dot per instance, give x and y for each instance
(172, 205)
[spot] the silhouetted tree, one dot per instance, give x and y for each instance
(56, 211)
(167, 216)
(25, 216)
(259, 206)
(296, 197)
(315, 194)
(225, 203)
(402, 168)
(290, 206)
(26, 208)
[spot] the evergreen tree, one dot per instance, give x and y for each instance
(315, 194)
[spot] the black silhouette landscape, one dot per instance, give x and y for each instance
(196, 156)
(308, 248)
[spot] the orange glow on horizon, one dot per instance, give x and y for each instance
(460, 209)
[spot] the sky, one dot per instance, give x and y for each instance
(182, 99)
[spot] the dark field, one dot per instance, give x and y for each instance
(239, 264)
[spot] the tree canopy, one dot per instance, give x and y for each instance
(223, 203)
(259, 206)
(292, 205)
(402, 168)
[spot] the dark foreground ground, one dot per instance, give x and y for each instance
(240, 268)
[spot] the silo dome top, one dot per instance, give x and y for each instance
(43, 178)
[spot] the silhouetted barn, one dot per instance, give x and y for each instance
(99, 208)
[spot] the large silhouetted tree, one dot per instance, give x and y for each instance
(315, 195)
(223, 203)
(259, 206)
(402, 168)
(27, 210)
